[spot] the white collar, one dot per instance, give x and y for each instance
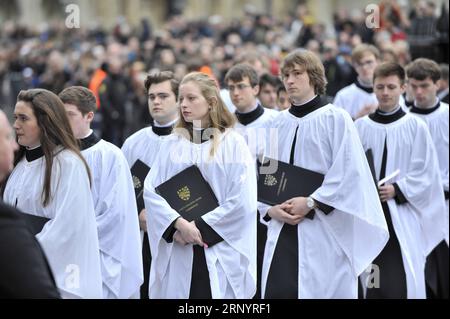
(155, 123)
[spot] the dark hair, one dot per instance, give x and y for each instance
(269, 79)
(421, 69)
(281, 88)
(386, 69)
(81, 97)
(160, 77)
(55, 132)
(241, 70)
(311, 63)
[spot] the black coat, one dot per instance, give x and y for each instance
(24, 270)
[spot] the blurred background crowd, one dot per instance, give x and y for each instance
(114, 58)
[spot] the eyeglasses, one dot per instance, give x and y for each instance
(239, 87)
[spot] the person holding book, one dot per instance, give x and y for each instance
(52, 180)
(253, 123)
(412, 201)
(424, 75)
(142, 148)
(114, 200)
(213, 255)
(18, 247)
(318, 243)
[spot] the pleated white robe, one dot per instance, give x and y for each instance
(143, 145)
(117, 221)
(232, 262)
(334, 249)
(256, 133)
(353, 99)
(420, 223)
(438, 125)
(69, 239)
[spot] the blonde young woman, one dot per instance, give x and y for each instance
(215, 255)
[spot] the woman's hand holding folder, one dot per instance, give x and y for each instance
(179, 239)
(188, 232)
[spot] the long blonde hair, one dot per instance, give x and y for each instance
(219, 117)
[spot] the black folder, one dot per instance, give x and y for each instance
(35, 223)
(139, 171)
(189, 194)
(287, 182)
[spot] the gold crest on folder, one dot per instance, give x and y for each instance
(136, 182)
(184, 193)
(270, 180)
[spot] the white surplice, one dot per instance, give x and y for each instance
(231, 175)
(419, 223)
(69, 239)
(438, 125)
(117, 221)
(334, 249)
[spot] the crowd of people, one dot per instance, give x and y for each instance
(104, 121)
(114, 62)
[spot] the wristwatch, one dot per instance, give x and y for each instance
(310, 202)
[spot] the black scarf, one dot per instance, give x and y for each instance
(311, 106)
(34, 154)
(415, 109)
(247, 118)
(364, 88)
(162, 130)
(89, 141)
(381, 117)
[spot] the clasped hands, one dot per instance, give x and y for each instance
(291, 212)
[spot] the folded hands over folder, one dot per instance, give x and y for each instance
(286, 190)
(298, 207)
(292, 211)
